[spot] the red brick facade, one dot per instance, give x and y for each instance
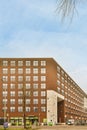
(24, 83)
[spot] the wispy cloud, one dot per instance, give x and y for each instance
(32, 29)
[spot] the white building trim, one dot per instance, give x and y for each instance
(52, 109)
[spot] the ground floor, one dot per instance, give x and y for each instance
(18, 121)
(55, 113)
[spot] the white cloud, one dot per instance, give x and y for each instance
(32, 29)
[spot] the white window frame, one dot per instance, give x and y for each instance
(5, 70)
(20, 109)
(35, 78)
(28, 85)
(43, 70)
(43, 93)
(35, 70)
(43, 63)
(28, 63)
(12, 86)
(20, 63)
(43, 78)
(35, 63)
(35, 101)
(20, 70)
(43, 85)
(12, 71)
(5, 63)
(13, 63)
(35, 93)
(28, 70)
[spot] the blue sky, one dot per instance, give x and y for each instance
(33, 28)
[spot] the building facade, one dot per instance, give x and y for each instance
(38, 89)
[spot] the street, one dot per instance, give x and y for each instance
(63, 127)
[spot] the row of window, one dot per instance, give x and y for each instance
(23, 63)
(26, 85)
(21, 70)
(21, 78)
(61, 75)
(27, 101)
(27, 109)
(21, 94)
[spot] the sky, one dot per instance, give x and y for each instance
(33, 28)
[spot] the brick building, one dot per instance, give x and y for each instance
(38, 89)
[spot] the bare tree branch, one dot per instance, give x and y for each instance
(66, 8)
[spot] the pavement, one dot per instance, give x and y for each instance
(63, 127)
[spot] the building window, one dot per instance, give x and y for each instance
(20, 71)
(43, 78)
(20, 101)
(12, 86)
(28, 93)
(28, 63)
(5, 86)
(43, 70)
(12, 71)
(35, 78)
(43, 93)
(35, 71)
(28, 70)
(20, 78)
(58, 69)
(5, 78)
(58, 89)
(43, 101)
(62, 85)
(62, 79)
(4, 101)
(5, 63)
(35, 109)
(35, 86)
(12, 109)
(58, 75)
(12, 101)
(12, 93)
(63, 92)
(28, 86)
(12, 78)
(35, 63)
(28, 78)
(43, 109)
(66, 76)
(12, 63)
(43, 86)
(4, 109)
(35, 101)
(5, 71)
(27, 109)
(4, 93)
(20, 109)
(20, 93)
(20, 63)
(20, 86)
(43, 63)
(27, 101)
(35, 93)
(62, 72)
(58, 82)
